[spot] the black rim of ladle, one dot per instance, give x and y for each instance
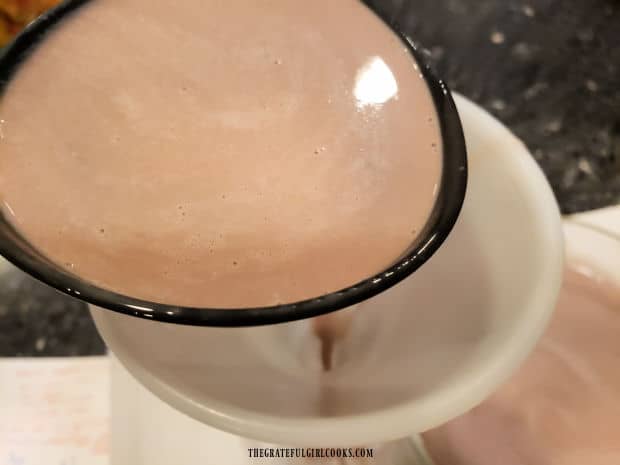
(447, 207)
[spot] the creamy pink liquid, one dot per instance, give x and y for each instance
(563, 406)
(224, 154)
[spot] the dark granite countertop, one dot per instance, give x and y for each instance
(549, 69)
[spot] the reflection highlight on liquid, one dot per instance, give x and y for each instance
(375, 83)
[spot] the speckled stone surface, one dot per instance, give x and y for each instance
(36, 320)
(549, 69)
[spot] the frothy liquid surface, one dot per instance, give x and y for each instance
(222, 154)
(563, 406)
